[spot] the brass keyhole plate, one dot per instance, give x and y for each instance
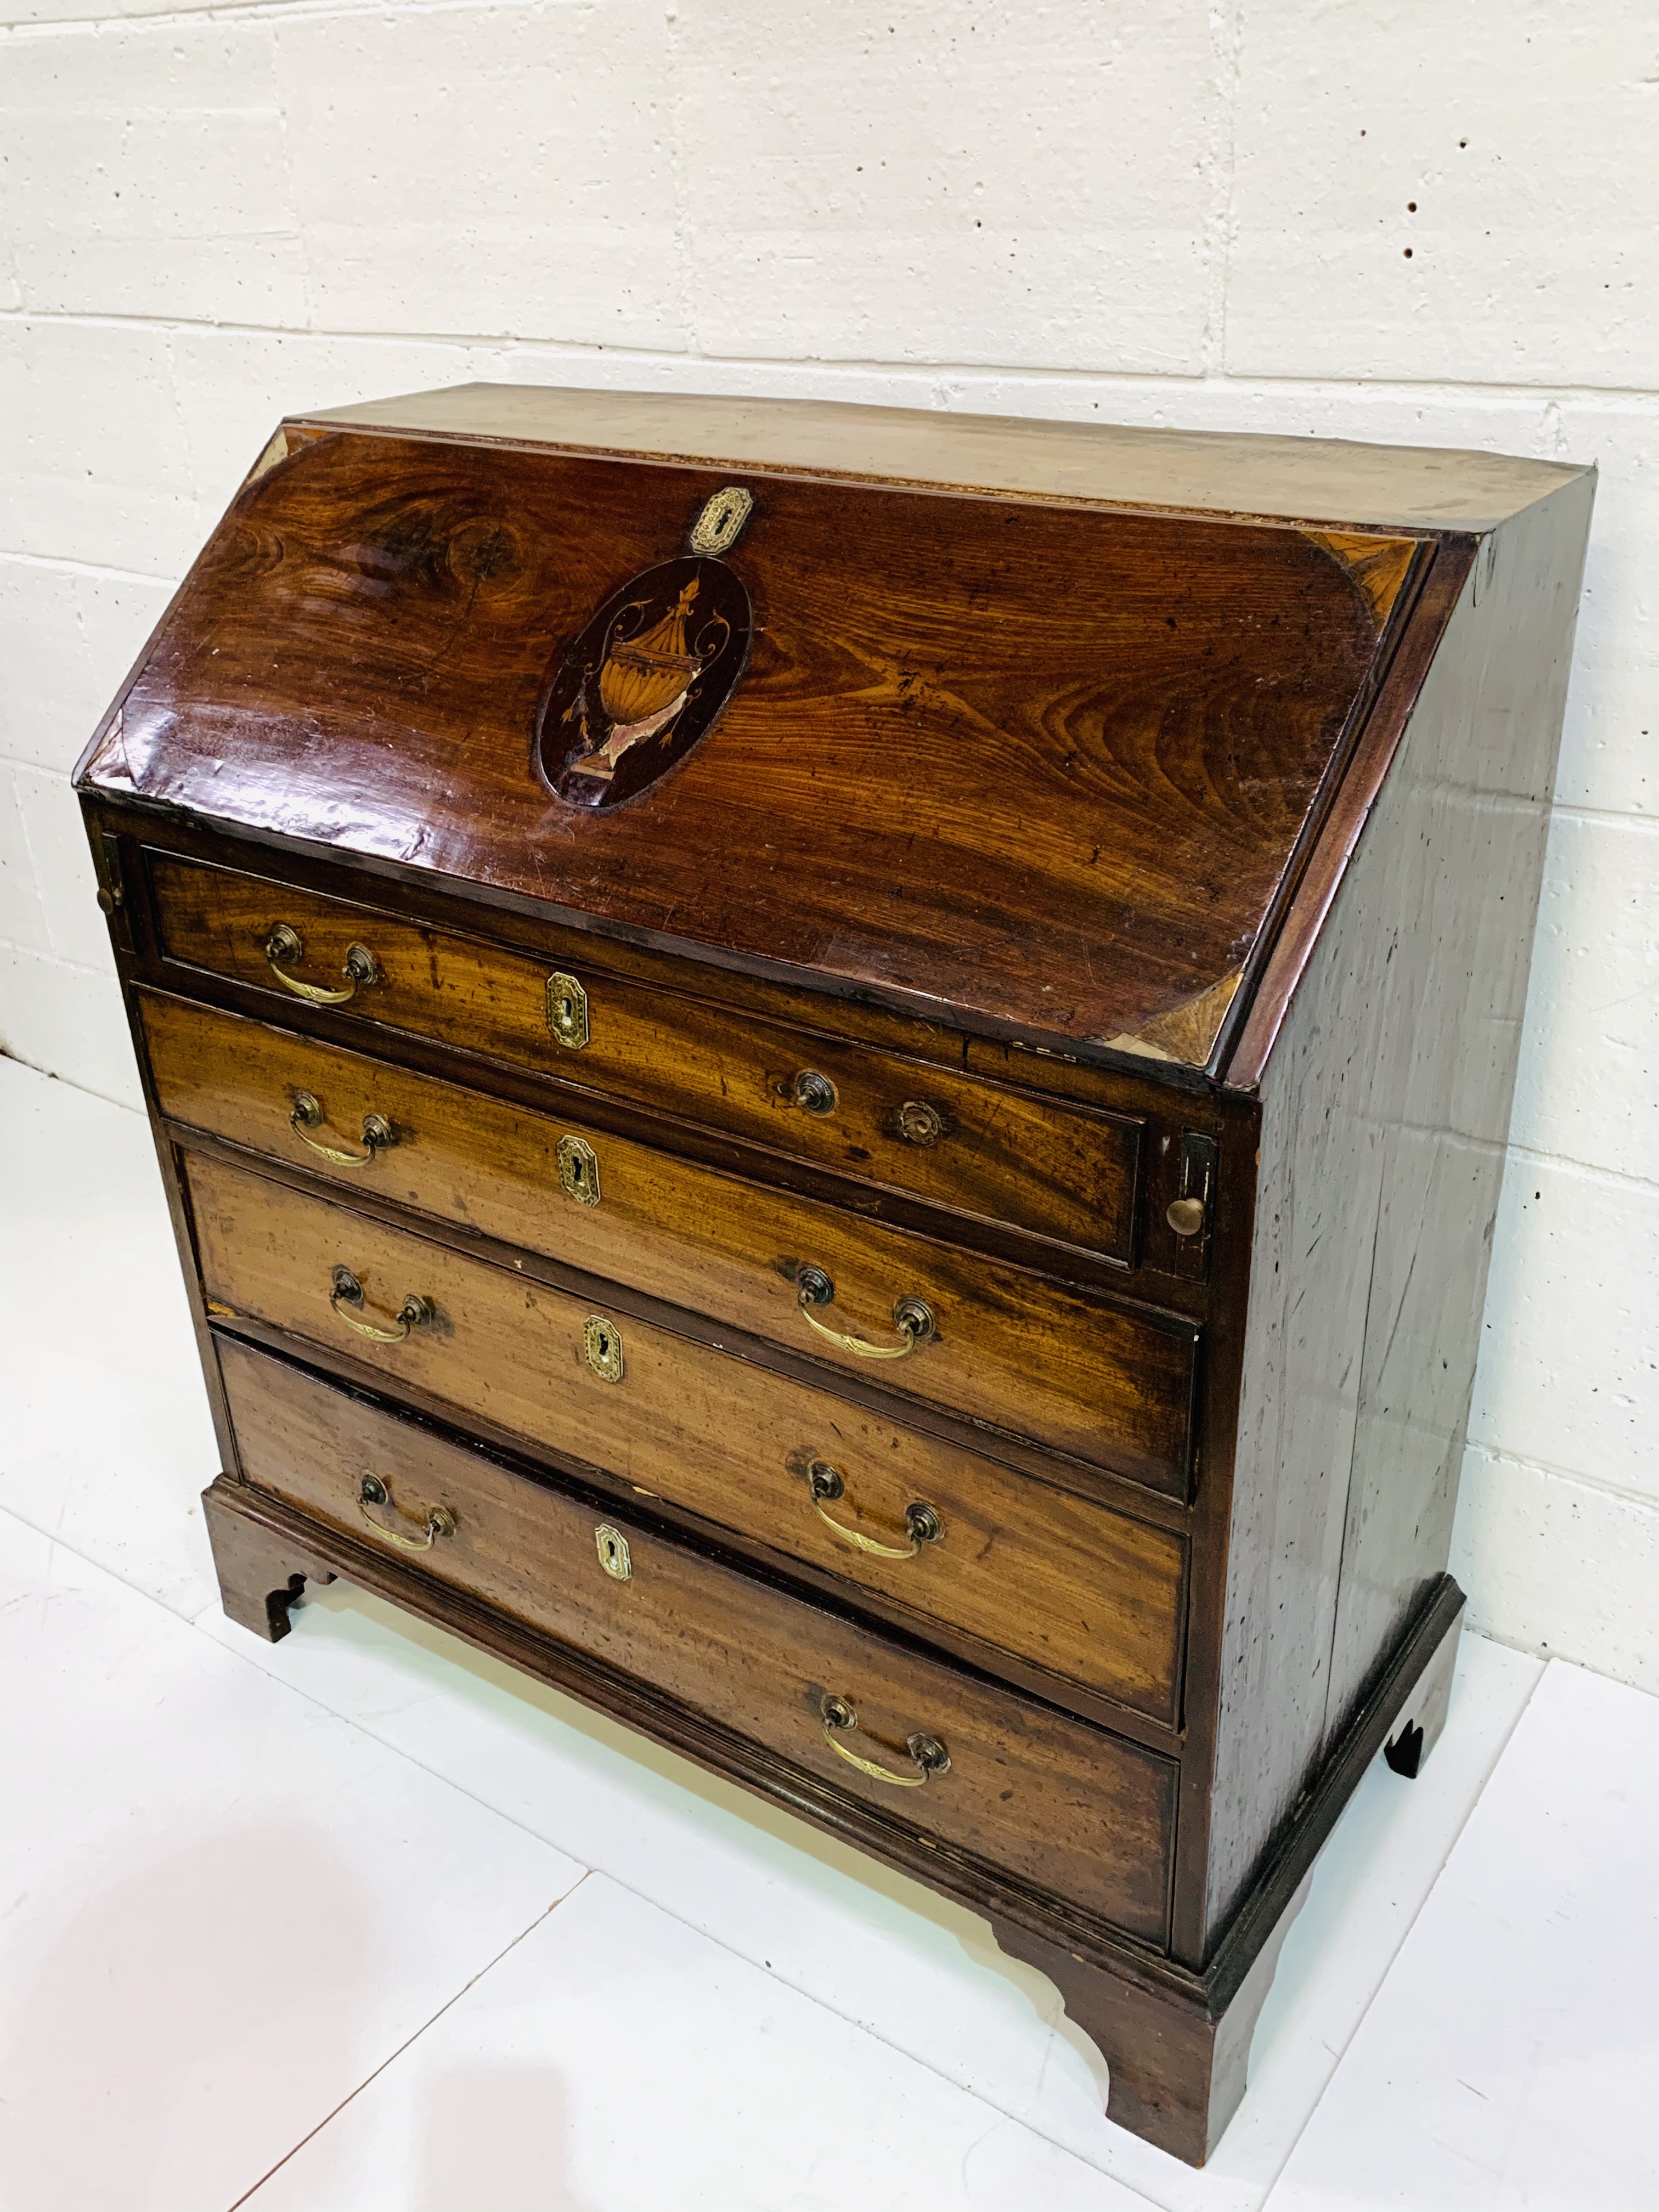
(566, 1012)
(613, 1547)
(578, 1169)
(602, 1342)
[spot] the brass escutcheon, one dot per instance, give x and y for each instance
(719, 525)
(602, 1342)
(578, 1169)
(613, 1547)
(566, 1012)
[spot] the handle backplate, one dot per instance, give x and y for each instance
(440, 1521)
(284, 947)
(912, 1317)
(928, 1753)
(414, 1313)
(921, 1521)
(307, 1114)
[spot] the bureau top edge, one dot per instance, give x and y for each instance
(1336, 483)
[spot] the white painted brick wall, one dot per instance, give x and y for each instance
(1192, 215)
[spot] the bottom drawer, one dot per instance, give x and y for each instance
(1052, 1801)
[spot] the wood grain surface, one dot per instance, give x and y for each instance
(1385, 1111)
(1001, 1154)
(1088, 1595)
(1330, 481)
(1068, 1807)
(1047, 764)
(1087, 845)
(1010, 1349)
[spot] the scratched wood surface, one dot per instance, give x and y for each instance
(999, 1153)
(1010, 1348)
(1090, 1595)
(1068, 1806)
(1045, 764)
(1311, 480)
(1173, 824)
(1385, 1110)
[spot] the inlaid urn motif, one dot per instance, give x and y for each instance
(649, 674)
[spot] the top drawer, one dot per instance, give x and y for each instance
(1067, 1174)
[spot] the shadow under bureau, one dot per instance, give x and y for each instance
(839, 1078)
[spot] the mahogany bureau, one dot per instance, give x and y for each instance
(839, 1077)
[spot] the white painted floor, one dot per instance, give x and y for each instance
(363, 1923)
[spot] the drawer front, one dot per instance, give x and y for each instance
(983, 1149)
(1009, 1348)
(1091, 1594)
(1054, 1801)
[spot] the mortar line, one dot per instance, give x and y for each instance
(1552, 1471)
(1153, 382)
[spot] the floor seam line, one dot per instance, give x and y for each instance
(398, 1751)
(392, 2057)
(245, 1659)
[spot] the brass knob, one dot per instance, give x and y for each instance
(1185, 1216)
(812, 1092)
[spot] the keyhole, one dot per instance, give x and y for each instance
(613, 1547)
(602, 1343)
(566, 1011)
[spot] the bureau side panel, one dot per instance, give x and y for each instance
(1474, 822)
(1385, 1115)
